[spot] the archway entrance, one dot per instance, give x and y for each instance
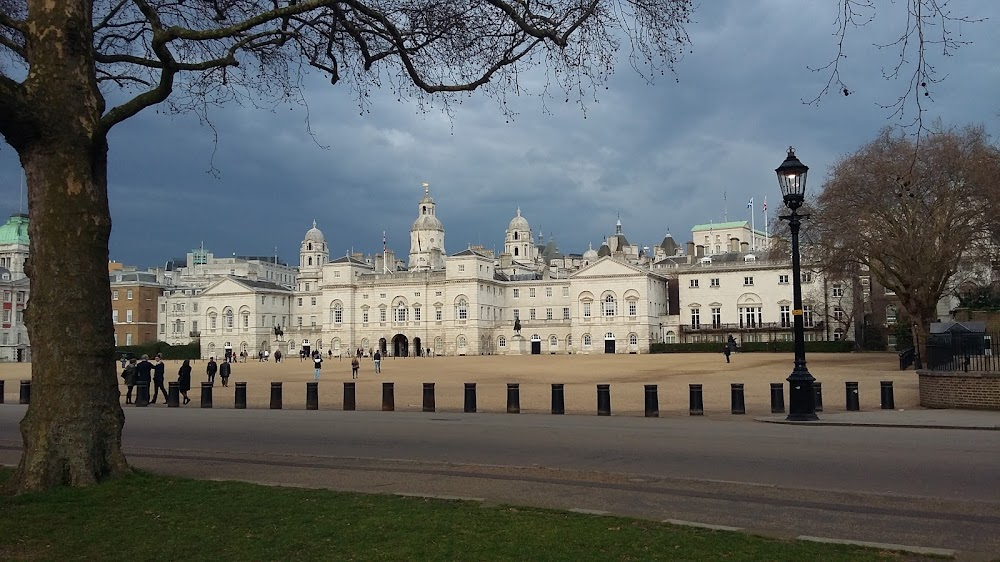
(416, 345)
(400, 346)
(382, 346)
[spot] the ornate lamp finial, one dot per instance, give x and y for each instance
(426, 188)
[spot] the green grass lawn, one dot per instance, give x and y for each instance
(149, 517)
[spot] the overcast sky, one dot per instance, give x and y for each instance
(661, 156)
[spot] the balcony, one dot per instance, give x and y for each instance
(761, 326)
(194, 334)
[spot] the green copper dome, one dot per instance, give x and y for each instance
(15, 230)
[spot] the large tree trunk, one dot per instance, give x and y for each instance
(72, 431)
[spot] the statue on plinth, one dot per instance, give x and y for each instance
(517, 326)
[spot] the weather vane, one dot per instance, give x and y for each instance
(426, 188)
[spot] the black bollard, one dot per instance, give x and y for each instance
(818, 390)
(470, 398)
(513, 398)
(25, 397)
(429, 397)
(739, 402)
(1, 391)
(888, 402)
(604, 399)
(652, 401)
(558, 399)
(349, 396)
(173, 394)
(142, 393)
(275, 395)
(388, 397)
(777, 398)
(206, 395)
(312, 395)
(853, 400)
(241, 396)
(696, 403)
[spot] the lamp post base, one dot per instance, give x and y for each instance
(801, 397)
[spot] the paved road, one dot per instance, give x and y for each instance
(921, 487)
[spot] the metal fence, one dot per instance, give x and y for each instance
(970, 351)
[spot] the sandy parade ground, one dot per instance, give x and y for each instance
(579, 373)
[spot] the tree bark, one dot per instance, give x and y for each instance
(72, 431)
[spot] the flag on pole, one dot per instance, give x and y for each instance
(764, 210)
(750, 204)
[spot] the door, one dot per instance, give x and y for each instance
(609, 346)
(536, 347)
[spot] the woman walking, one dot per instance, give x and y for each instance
(184, 379)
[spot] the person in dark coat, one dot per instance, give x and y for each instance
(211, 369)
(184, 379)
(144, 373)
(158, 370)
(224, 371)
(128, 373)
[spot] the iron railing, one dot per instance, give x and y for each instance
(970, 351)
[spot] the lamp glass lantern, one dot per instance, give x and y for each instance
(792, 180)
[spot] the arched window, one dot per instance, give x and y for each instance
(515, 251)
(461, 342)
(569, 341)
(228, 318)
(212, 319)
(246, 319)
(586, 341)
(502, 342)
(553, 341)
(310, 261)
(462, 309)
(609, 305)
(515, 238)
(633, 339)
(309, 246)
(338, 313)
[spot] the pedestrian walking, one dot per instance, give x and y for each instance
(144, 373)
(277, 356)
(158, 371)
(317, 363)
(224, 371)
(184, 379)
(128, 373)
(378, 362)
(726, 351)
(211, 369)
(354, 367)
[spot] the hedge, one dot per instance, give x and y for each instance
(166, 351)
(841, 346)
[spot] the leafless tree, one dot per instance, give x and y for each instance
(72, 70)
(928, 32)
(911, 214)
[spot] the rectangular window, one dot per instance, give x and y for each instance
(786, 316)
(20, 296)
(715, 282)
(163, 328)
(114, 316)
(807, 277)
(838, 314)
(717, 317)
(807, 316)
(517, 293)
(128, 339)
(336, 274)
(312, 301)
(246, 320)
(194, 326)
(128, 294)
(748, 280)
(263, 300)
(300, 301)
(416, 314)
(548, 314)
(694, 283)
(438, 314)
(531, 314)
(838, 290)
(782, 279)
(517, 314)
(586, 310)
(6, 296)
(114, 296)
(696, 318)
(364, 316)
(565, 291)
(381, 315)
(381, 295)
(531, 292)
(307, 286)
(300, 321)
(633, 309)
(566, 313)
(548, 291)
(312, 321)
(163, 307)
(128, 316)
(461, 268)
(194, 307)
(463, 311)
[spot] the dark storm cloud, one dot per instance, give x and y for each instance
(660, 156)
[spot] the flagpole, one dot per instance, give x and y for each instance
(767, 234)
(725, 207)
(753, 228)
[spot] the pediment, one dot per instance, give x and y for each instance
(227, 286)
(606, 267)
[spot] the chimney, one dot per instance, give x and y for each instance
(744, 247)
(734, 244)
(506, 260)
(690, 248)
(699, 251)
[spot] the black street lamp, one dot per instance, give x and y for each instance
(801, 397)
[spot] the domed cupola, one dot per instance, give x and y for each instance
(605, 250)
(518, 241)
(426, 236)
(590, 256)
(313, 252)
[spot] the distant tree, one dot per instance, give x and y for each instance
(910, 213)
(73, 69)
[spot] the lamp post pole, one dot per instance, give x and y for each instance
(801, 397)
